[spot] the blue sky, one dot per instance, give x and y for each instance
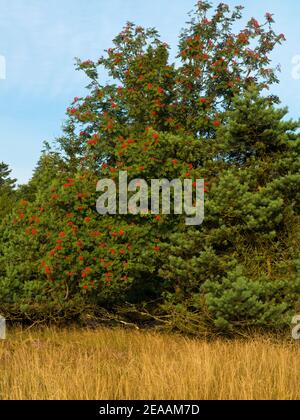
(39, 40)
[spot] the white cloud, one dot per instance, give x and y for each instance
(2, 67)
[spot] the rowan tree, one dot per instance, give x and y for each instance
(199, 118)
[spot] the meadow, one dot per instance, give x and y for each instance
(50, 363)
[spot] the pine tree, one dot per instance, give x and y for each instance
(201, 119)
(7, 190)
(5, 181)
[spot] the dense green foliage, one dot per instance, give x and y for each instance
(206, 118)
(7, 190)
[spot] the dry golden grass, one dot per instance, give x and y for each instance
(120, 364)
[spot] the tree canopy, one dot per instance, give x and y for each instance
(207, 116)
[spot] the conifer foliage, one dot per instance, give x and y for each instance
(208, 117)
